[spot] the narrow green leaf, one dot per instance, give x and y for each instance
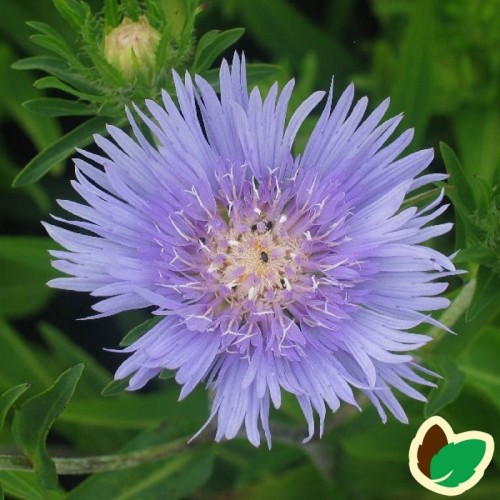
(132, 9)
(51, 106)
(458, 461)
(115, 387)
(109, 72)
(51, 82)
(138, 331)
(138, 410)
(478, 255)
(8, 398)
(20, 361)
(54, 41)
(25, 271)
(58, 68)
(480, 365)
(166, 374)
(453, 345)
(213, 44)
(111, 13)
(23, 485)
(284, 31)
(476, 128)
(380, 443)
(60, 150)
(44, 28)
(458, 176)
(29, 251)
(487, 291)
(34, 420)
(73, 11)
(304, 481)
(413, 84)
(42, 131)
(171, 478)
(448, 388)
(55, 45)
(67, 353)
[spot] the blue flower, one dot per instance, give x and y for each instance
(272, 271)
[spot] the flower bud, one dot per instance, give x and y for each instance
(131, 46)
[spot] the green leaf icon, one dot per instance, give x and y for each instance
(455, 463)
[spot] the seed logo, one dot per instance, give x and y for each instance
(449, 463)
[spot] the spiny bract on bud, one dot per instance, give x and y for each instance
(273, 272)
(131, 47)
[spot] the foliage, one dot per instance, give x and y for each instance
(439, 62)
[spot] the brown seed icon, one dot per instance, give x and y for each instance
(434, 440)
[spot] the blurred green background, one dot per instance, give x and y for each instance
(439, 60)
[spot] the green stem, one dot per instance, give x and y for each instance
(92, 464)
(458, 307)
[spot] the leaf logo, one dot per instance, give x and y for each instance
(449, 463)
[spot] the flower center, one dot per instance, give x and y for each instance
(258, 262)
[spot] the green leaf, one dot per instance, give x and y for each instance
(109, 72)
(111, 13)
(51, 82)
(213, 44)
(388, 442)
(458, 461)
(480, 364)
(25, 271)
(300, 482)
(448, 388)
(131, 9)
(41, 131)
(174, 478)
(8, 398)
(413, 83)
(459, 178)
(22, 485)
(115, 387)
(166, 374)
(130, 411)
(138, 331)
(67, 353)
(283, 30)
(51, 106)
(21, 362)
(259, 466)
(461, 193)
(476, 129)
(36, 416)
(60, 150)
(170, 478)
(468, 332)
(58, 68)
(57, 45)
(138, 410)
(487, 292)
(478, 255)
(73, 11)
